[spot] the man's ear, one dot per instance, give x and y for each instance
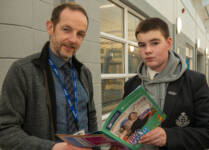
(49, 27)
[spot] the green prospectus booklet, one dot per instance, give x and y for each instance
(135, 116)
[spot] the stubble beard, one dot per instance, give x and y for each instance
(57, 48)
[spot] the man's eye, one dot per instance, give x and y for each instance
(81, 35)
(66, 29)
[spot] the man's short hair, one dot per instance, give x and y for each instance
(70, 5)
(153, 24)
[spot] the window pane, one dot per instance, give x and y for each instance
(178, 51)
(133, 59)
(111, 18)
(112, 90)
(112, 56)
(187, 51)
(190, 64)
(132, 24)
(190, 52)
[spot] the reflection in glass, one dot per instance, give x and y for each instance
(133, 59)
(133, 21)
(189, 54)
(112, 56)
(111, 18)
(112, 92)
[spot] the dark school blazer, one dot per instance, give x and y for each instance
(187, 110)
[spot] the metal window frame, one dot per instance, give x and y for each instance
(123, 40)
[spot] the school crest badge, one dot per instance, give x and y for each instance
(183, 120)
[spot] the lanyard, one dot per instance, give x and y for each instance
(67, 96)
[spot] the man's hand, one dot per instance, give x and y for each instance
(66, 146)
(155, 137)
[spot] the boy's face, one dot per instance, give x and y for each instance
(153, 49)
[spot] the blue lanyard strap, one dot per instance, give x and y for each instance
(67, 96)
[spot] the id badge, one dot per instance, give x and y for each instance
(81, 132)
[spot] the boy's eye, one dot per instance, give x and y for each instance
(141, 44)
(154, 43)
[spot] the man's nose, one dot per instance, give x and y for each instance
(72, 37)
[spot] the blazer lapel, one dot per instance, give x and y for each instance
(171, 98)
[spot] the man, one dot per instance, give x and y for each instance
(182, 94)
(49, 93)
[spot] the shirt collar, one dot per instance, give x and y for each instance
(151, 73)
(57, 60)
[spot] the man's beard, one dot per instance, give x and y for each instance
(58, 52)
(57, 47)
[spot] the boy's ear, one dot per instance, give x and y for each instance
(170, 41)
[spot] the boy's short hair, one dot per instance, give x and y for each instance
(153, 24)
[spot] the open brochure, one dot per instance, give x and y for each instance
(136, 115)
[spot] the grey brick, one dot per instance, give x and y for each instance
(16, 42)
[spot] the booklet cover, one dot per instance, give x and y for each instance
(136, 115)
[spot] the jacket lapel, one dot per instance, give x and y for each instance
(42, 62)
(172, 98)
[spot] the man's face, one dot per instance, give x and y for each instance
(66, 37)
(153, 49)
